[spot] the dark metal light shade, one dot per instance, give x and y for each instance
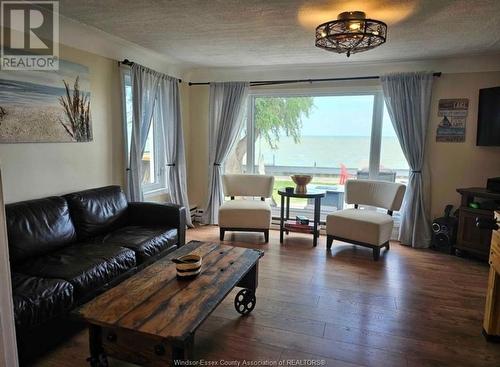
(351, 33)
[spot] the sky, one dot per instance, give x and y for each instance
(52, 78)
(343, 116)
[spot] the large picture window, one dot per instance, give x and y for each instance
(153, 165)
(333, 137)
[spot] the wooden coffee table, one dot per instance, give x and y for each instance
(151, 317)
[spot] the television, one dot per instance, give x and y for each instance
(488, 121)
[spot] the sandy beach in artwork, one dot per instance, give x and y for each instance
(43, 126)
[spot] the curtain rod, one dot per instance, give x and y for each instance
(130, 63)
(275, 82)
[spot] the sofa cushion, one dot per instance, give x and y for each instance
(87, 266)
(97, 211)
(368, 226)
(37, 227)
(145, 241)
(245, 214)
(37, 300)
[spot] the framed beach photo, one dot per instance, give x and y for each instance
(46, 106)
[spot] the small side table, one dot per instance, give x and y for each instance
(317, 195)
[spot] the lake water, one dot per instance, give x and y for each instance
(330, 151)
(19, 93)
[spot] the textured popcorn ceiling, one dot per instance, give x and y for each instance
(222, 33)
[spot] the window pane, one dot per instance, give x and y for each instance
(128, 107)
(237, 158)
(327, 137)
(393, 165)
(148, 159)
(149, 165)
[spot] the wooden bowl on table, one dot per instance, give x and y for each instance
(188, 266)
(301, 181)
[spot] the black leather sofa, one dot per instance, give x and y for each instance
(66, 250)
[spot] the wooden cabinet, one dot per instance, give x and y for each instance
(491, 322)
(470, 238)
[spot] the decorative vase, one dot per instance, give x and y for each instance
(301, 182)
(188, 266)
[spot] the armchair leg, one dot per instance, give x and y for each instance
(376, 253)
(387, 246)
(222, 231)
(329, 242)
(266, 235)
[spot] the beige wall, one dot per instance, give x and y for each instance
(198, 145)
(8, 347)
(37, 170)
(452, 165)
(455, 165)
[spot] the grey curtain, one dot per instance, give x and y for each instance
(168, 111)
(227, 103)
(408, 99)
(144, 90)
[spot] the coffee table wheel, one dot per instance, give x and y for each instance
(100, 361)
(244, 302)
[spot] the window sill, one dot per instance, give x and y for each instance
(155, 192)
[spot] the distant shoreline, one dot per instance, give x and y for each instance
(329, 151)
(339, 136)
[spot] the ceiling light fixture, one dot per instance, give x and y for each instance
(351, 33)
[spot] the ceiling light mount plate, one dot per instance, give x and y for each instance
(351, 33)
(351, 15)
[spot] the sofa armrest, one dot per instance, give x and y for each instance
(172, 215)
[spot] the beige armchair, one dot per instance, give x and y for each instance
(243, 214)
(362, 227)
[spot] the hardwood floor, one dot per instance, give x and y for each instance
(411, 308)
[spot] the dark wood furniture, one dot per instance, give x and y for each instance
(470, 238)
(491, 322)
(375, 249)
(285, 212)
(151, 318)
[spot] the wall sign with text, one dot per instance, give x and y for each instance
(453, 116)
